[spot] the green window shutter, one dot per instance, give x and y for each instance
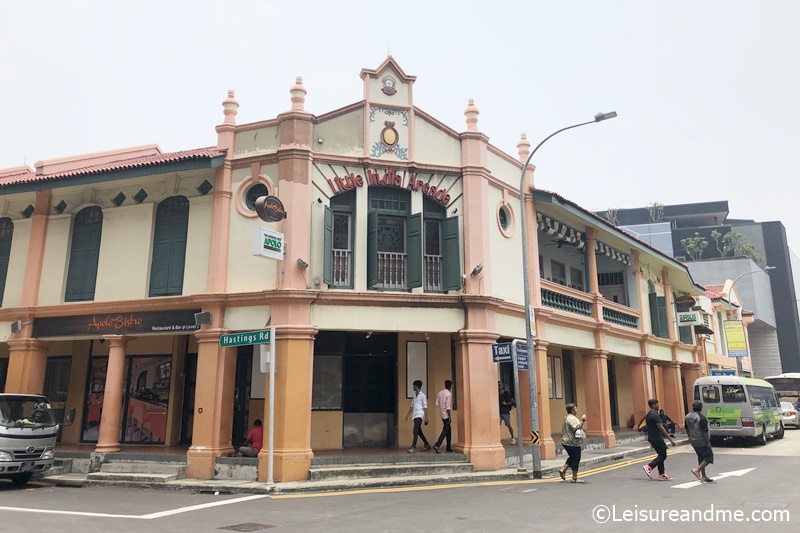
(169, 247)
(84, 255)
(414, 251)
(451, 255)
(6, 235)
(663, 326)
(654, 323)
(372, 248)
(327, 261)
(685, 334)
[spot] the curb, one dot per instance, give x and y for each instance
(298, 487)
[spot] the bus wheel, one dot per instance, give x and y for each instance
(779, 434)
(21, 479)
(762, 440)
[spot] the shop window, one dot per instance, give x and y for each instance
(555, 377)
(3, 374)
(169, 247)
(326, 392)
(6, 234)
(576, 278)
(84, 255)
(558, 272)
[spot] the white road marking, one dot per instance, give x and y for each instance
(150, 516)
(719, 476)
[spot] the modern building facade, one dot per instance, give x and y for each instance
(401, 261)
(775, 333)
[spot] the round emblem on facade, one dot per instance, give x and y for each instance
(389, 136)
(388, 86)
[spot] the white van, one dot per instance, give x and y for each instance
(740, 407)
(28, 431)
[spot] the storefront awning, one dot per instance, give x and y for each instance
(703, 330)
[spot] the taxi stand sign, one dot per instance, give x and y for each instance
(501, 353)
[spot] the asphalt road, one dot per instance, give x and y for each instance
(759, 483)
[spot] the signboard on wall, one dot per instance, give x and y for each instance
(268, 243)
(125, 323)
(735, 339)
(689, 318)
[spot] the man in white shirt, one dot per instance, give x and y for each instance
(443, 400)
(419, 404)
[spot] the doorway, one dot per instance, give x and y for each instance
(612, 394)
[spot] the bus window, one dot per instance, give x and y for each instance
(733, 394)
(710, 394)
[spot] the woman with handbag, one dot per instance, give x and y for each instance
(572, 435)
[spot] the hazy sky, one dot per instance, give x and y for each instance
(707, 92)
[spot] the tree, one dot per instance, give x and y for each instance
(694, 246)
(611, 215)
(734, 243)
(656, 211)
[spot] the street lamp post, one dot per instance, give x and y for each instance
(730, 308)
(537, 458)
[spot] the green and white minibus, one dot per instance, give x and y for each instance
(740, 407)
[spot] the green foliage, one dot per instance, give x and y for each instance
(734, 243)
(656, 211)
(694, 246)
(611, 215)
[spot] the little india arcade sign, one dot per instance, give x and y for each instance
(393, 178)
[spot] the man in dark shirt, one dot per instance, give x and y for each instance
(697, 429)
(667, 422)
(506, 403)
(655, 436)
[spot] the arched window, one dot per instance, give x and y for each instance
(169, 247)
(84, 254)
(6, 234)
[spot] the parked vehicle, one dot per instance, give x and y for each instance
(787, 386)
(28, 431)
(791, 415)
(740, 407)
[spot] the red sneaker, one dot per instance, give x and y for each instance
(664, 477)
(648, 470)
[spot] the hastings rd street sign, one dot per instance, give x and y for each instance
(244, 338)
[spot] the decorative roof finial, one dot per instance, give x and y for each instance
(230, 107)
(524, 147)
(298, 93)
(471, 112)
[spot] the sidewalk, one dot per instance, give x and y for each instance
(549, 470)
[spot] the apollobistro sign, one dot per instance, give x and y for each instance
(268, 243)
(431, 188)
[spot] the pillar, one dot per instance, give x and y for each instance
(547, 446)
(691, 373)
(591, 260)
(595, 385)
(37, 241)
(111, 417)
(26, 365)
(641, 387)
(478, 435)
(292, 452)
(213, 400)
(637, 270)
(672, 401)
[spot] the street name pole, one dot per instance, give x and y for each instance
(529, 315)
